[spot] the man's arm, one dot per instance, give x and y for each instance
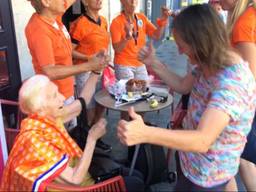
(68, 112)
(77, 54)
(60, 71)
(54, 72)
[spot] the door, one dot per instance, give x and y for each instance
(10, 78)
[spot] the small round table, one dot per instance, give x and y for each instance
(106, 100)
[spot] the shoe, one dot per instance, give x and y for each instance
(103, 146)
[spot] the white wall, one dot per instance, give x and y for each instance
(22, 11)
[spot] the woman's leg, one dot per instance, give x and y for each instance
(247, 172)
(231, 185)
(247, 168)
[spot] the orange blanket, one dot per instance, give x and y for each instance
(41, 152)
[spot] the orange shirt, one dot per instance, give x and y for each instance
(49, 44)
(128, 56)
(91, 37)
(245, 27)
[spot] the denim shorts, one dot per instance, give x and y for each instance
(249, 152)
(123, 72)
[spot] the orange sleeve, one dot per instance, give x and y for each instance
(243, 32)
(150, 27)
(116, 31)
(244, 29)
(78, 29)
(43, 50)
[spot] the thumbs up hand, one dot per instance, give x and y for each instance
(132, 132)
(147, 54)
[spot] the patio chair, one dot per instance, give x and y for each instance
(176, 123)
(177, 116)
(11, 133)
(115, 184)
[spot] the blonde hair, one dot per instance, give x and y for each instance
(30, 95)
(37, 4)
(240, 7)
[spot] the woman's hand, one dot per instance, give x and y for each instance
(128, 30)
(132, 132)
(100, 60)
(147, 55)
(166, 12)
(98, 129)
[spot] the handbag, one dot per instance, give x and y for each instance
(108, 77)
(102, 166)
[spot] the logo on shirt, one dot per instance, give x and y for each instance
(140, 23)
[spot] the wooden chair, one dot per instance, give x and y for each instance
(115, 184)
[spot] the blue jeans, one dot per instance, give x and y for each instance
(249, 152)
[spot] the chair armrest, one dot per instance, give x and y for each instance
(113, 184)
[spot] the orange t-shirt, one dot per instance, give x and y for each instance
(245, 28)
(49, 44)
(90, 36)
(128, 56)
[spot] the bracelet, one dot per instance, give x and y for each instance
(161, 22)
(96, 72)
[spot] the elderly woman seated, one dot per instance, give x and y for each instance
(43, 150)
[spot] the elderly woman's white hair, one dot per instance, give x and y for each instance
(31, 94)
